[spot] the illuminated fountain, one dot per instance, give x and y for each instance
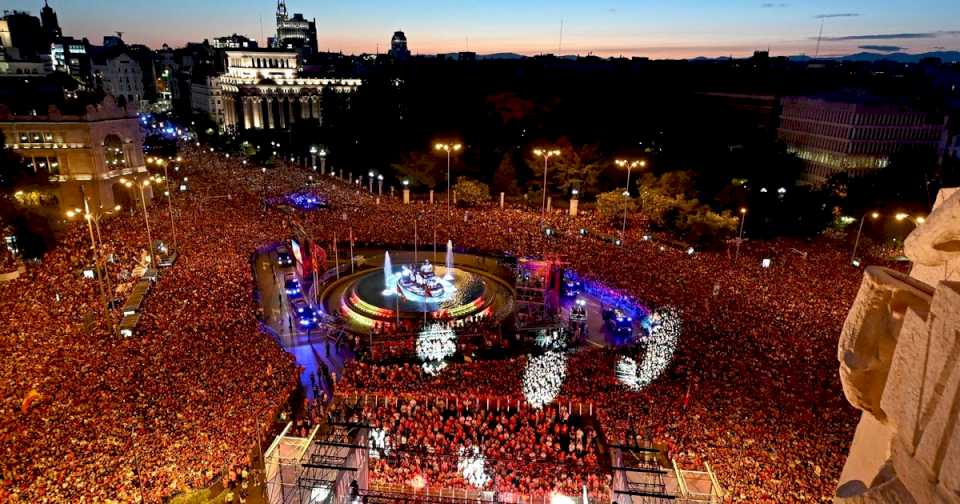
(387, 273)
(409, 292)
(449, 263)
(421, 283)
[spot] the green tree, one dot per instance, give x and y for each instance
(655, 201)
(422, 170)
(676, 184)
(704, 226)
(611, 204)
(505, 178)
(471, 192)
(511, 108)
(669, 202)
(578, 168)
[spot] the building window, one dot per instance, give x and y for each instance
(36, 137)
(49, 165)
(113, 152)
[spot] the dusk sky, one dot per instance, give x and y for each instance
(658, 29)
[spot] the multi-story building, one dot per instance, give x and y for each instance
(118, 73)
(398, 46)
(179, 66)
(24, 49)
(148, 61)
(207, 97)
(855, 136)
(22, 37)
(234, 42)
(263, 89)
(40, 67)
(93, 149)
(51, 26)
(70, 56)
(295, 32)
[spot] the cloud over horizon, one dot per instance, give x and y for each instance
(893, 36)
(882, 48)
(838, 15)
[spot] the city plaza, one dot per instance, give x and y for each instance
(629, 367)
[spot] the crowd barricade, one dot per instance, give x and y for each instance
(489, 402)
(475, 495)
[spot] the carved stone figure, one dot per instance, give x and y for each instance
(899, 356)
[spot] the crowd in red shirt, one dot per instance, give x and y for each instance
(753, 387)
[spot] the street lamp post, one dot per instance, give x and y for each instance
(856, 243)
(323, 162)
(743, 219)
(546, 154)
(449, 149)
(370, 181)
(173, 225)
(96, 252)
(313, 157)
(95, 217)
(626, 194)
(146, 218)
(380, 185)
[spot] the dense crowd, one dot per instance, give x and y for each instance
(753, 388)
(524, 451)
(174, 408)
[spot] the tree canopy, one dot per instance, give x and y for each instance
(471, 192)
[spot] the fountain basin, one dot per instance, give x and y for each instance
(374, 298)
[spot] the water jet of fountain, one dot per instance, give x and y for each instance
(387, 271)
(449, 264)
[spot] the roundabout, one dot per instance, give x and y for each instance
(409, 290)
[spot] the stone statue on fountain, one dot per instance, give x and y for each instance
(421, 280)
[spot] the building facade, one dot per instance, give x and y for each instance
(264, 90)
(70, 56)
(51, 25)
(93, 150)
(398, 46)
(852, 137)
(22, 37)
(24, 48)
(234, 42)
(119, 74)
(207, 97)
(294, 32)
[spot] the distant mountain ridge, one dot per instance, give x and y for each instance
(900, 57)
(897, 57)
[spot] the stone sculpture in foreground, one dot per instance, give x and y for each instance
(899, 358)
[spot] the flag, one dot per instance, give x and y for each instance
(28, 400)
(318, 256)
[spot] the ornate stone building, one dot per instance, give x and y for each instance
(93, 149)
(264, 90)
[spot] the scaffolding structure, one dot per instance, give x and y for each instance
(537, 289)
(324, 468)
(642, 474)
